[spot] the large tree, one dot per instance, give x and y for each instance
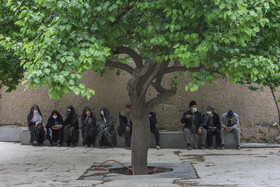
(58, 40)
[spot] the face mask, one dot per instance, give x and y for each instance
(54, 117)
(209, 112)
(88, 112)
(35, 111)
(102, 113)
(194, 109)
(128, 110)
(68, 110)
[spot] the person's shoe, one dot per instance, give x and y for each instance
(189, 147)
(201, 147)
(127, 148)
(218, 147)
(222, 147)
(35, 143)
(59, 145)
(73, 145)
(210, 147)
(157, 147)
(238, 147)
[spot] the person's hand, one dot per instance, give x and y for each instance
(199, 131)
(127, 129)
(188, 116)
(214, 128)
(229, 129)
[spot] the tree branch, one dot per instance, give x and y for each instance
(133, 54)
(160, 98)
(120, 14)
(119, 65)
(180, 68)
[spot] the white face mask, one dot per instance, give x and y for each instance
(194, 109)
(54, 117)
(69, 110)
(102, 113)
(209, 112)
(35, 111)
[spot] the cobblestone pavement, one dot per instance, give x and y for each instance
(62, 166)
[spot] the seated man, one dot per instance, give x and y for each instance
(193, 125)
(125, 125)
(230, 124)
(211, 121)
(154, 130)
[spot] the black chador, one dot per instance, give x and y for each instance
(71, 127)
(89, 129)
(55, 128)
(35, 126)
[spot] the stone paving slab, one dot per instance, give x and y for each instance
(24, 165)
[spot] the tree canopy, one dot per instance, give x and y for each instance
(59, 40)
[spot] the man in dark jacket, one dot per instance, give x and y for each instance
(154, 130)
(211, 121)
(125, 125)
(194, 125)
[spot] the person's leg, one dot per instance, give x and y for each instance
(209, 137)
(156, 133)
(223, 134)
(50, 135)
(202, 138)
(187, 133)
(40, 134)
(218, 137)
(236, 132)
(127, 137)
(59, 137)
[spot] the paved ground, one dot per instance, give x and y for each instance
(53, 166)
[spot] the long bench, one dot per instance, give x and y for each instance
(168, 139)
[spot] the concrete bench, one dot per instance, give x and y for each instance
(10, 133)
(168, 139)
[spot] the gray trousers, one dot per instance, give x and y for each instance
(235, 131)
(202, 136)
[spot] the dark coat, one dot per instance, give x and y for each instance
(123, 122)
(216, 121)
(51, 121)
(198, 120)
(71, 119)
(88, 129)
(153, 120)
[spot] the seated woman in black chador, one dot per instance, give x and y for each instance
(71, 127)
(35, 126)
(106, 131)
(55, 129)
(89, 129)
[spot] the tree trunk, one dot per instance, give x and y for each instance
(275, 100)
(140, 137)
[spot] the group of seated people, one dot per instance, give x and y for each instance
(209, 124)
(102, 130)
(59, 129)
